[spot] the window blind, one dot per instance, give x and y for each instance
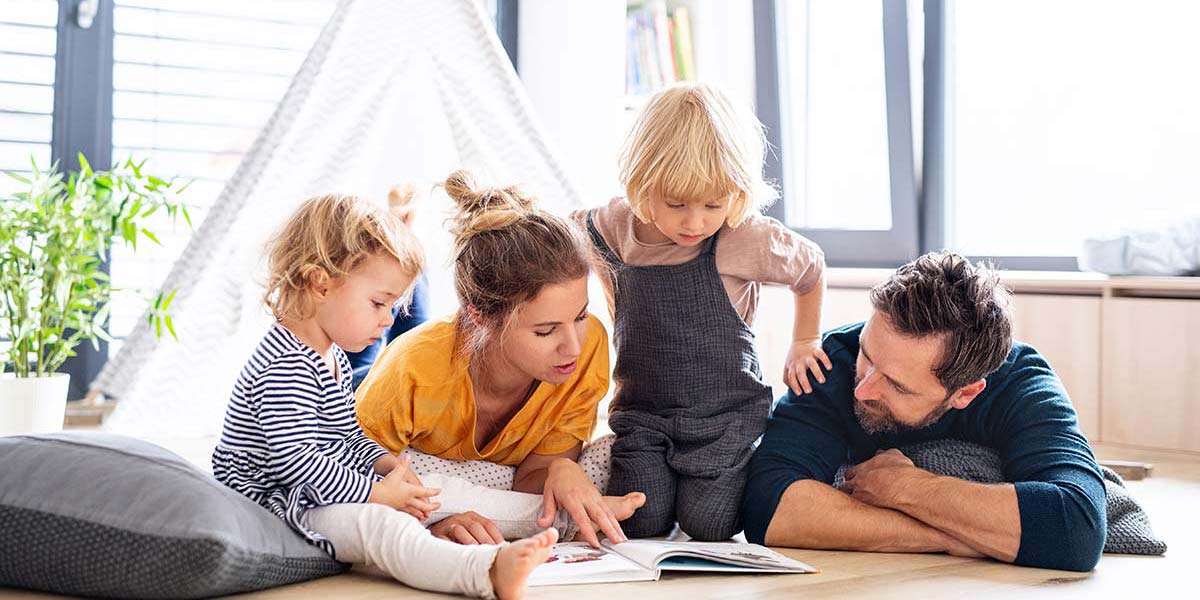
(27, 45)
(192, 85)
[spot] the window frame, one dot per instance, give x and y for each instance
(919, 205)
(82, 123)
(936, 160)
(507, 17)
(850, 248)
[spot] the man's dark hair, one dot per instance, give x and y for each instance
(943, 294)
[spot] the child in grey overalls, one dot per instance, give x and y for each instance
(689, 250)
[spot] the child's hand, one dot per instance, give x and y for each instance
(397, 491)
(388, 463)
(385, 464)
(404, 465)
(805, 356)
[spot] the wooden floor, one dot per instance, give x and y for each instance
(1170, 495)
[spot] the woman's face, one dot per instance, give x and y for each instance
(548, 333)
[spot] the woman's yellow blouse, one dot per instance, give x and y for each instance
(419, 394)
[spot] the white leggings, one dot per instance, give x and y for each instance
(383, 539)
(395, 543)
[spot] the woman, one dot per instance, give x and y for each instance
(515, 376)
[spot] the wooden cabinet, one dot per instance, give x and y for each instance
(845, 306)
(1066, 331)
(1126, 348)
(773, 334)
(1151, 377)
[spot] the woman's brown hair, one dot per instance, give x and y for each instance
(505, 251)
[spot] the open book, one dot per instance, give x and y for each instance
(645, 560)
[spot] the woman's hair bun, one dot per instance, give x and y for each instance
(483, 209)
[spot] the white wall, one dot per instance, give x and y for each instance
(723, 37)
(571, 57)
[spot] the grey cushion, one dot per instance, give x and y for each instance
(1129, 530)
(97, 514)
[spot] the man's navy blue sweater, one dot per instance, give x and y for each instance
(1023, 412)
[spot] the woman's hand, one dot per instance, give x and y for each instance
(469, 528)
(568, 488)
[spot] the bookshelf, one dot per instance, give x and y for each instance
(573, 60)
(658, 47)
(704, 40)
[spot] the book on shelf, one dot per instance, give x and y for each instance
(645, 560)
(682, 31)
(664, 50)
(658, 46)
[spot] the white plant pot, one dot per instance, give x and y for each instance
(32, 404)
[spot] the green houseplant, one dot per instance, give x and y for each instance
(55, 238)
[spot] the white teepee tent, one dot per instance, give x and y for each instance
(392, 91)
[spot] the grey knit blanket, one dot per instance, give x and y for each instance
(1129, 529)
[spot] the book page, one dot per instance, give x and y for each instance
(689, 563)
(578, 563)
(650, 554)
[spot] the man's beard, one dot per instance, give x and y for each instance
(881, 419)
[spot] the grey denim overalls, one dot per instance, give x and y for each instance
(690, 399)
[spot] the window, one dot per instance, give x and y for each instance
(842, 122)
(1066, 119)
(834, 114)
(192, 85)
(27, 46)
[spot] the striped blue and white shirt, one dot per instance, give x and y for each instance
(291, 440)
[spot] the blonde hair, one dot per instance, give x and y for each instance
(327, 237)
(505, 251)
(690, 141)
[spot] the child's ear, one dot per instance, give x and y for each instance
(319, 284)
(737, 205)
(645, 210)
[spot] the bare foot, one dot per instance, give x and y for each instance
(514, 562)
(624, 506)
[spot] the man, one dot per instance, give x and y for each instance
(935, 361)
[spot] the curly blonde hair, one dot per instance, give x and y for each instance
(327, 237)
(690, 142)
